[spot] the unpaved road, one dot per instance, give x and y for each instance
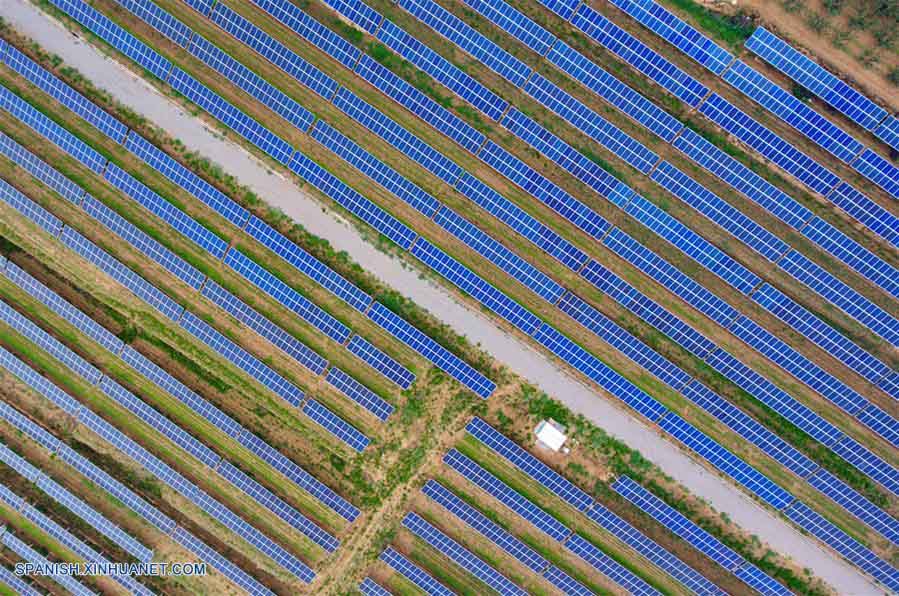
(518, 355)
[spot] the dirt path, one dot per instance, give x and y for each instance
(521, 358)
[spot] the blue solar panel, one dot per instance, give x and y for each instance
(272, 49)
(608, 566)
(475, 286)
(16, 584)
(542, 189)
(143, 242)
(52, 131)
(375, 169)
(816, 79)
(890, 384)
(30, 428)
(868, 463)
(519, 220)
(819, 332)
(367, 18)
(720, 211)
(793, 111)
(380, 361)
(459, 554)
(677, 523)
(466, 38)
(496, 253)
(32, 556)
(28, 208)
(279, 149)
(759, 581)
(443, 71)
(670, 277)
(881, 423)
(158, 19)
(404, 141)
(201, 6)
(678, 33)
(888, 132)
(414, 573)
(565, 582)
(563, 8)
(430, 349)
(298, 476)
(352, 201)
(595, 369)
(651, 312)
(166, 211)
(40, 169)
(873, 216)
(486, 527)
(845, 545)
(725, 461)
(242, 359)
(237, 575)
(137, 285)
(186, 179)
(768, 144)
(627, 344)
(419, 104)
(116, 36)
(609, 88)
(885, 175)
(359, 393)
(515, 23)
(645, 546)
(856, 504)
(62, 92)
(506, 495)
(368, 587)
(854, 255)
(291, 346)
(38, 382)
(293, 17)
(335, 425)
(290, 298)
(639, 55)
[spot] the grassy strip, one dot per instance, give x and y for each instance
(733, 30)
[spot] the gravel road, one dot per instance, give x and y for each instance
(521, 358)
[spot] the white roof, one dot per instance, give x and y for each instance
(549, 435)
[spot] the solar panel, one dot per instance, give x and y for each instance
(286, 295)
(40, 216)
(40, 170)
(272, 49)
(380, 361)
(352, 201)
(367, 18)
(868, 463)
(298, 476)
(279, 149)
(242, 359)
(443, 71)
(159, 19)
(608, 566)
(137, 285)
(397, 136)
(53, 132)
(234, 573)
(565, 582)
(514, 23)
(669, 276)
(890, 384)
(16, 584)
(413, 573)
(522, 222)
(639, 55)
(816, 79)
(32, 556)
(368, 587)
(30, 428)
(359, 393)
(201, 6)
(603, 375)
(375, 169)
(475, 286)
(856, 504)
(459, 554)
(881, 423)
(60, 534)
(677, 523)
(431, 350)
(885, 175)
(38, 382)
(186, 179)
(872, 215)
(419, 104)
(888, 132)
(719, 211)
(542, 189)
(291, 346)
(725, 461)
(769, 145)
(612, 90)
(166, 211)
(494, 251)
(311, 30)
(468, 39)
(338, 427)
(278, 506)
(793, 111)
(563, 8)
(506, 495)
(62, 92)
(759, 581)
(678, 33)
(484, 526)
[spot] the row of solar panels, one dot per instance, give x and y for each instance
(100, 478)
(30, 555)
(823, 529)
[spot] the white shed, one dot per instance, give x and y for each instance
(550, 434)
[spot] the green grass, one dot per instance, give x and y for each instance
(732, 30)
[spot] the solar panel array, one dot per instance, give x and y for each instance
(220, 563)
(856, 504)
(369, 587)
(381, 362)
(32, 556)
(14, 582)
(414, 573)
(888, 132)
(338, 427)
(359, 393)
(608, 566)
